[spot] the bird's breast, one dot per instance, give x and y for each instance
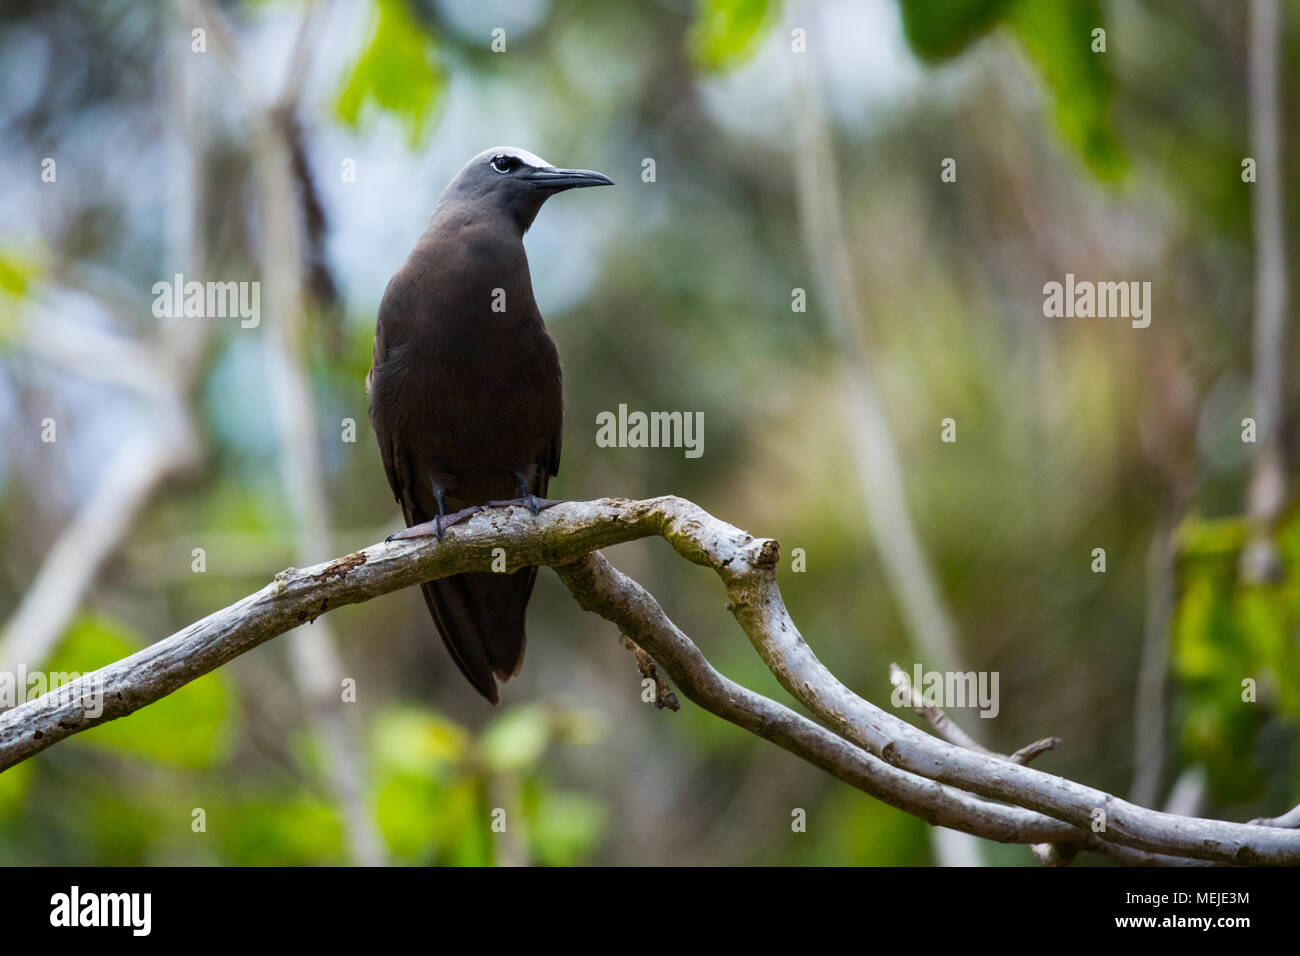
(472, 375)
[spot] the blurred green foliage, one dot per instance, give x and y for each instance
(1058, 39)
(941, 29)
(436, 786)
(17, 272)
(397, 71)
(726, 31)
(1235, 653)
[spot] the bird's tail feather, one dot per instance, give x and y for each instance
(480, 617)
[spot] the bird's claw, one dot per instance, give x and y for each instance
(526, 497)
(531, 502)
(439, 525)
(436, 527)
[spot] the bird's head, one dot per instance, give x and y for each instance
(516, 182)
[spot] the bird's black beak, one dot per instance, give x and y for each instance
(555, 180)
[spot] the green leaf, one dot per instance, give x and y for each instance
(186, 729)
(427, 800)
(16, 273)
(564, 827)
(424, 821)
(939, 29)
(516, 740)
(726, 31)
(273, 832)
(415, 741)
(1224, 631)
(1057, 37)
(407, 810)
(397, 71)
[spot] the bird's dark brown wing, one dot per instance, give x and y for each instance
(479, 616)
(394, 464)
(451, 601)
(550, 466)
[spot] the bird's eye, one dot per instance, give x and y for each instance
(503, 163)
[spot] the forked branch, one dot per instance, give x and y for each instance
(851, 738)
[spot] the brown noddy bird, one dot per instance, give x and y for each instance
(465, 392)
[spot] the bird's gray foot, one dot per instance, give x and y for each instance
(422, 530)
(438, 525)
(442, 511)
(526, 498)
(525, 495)
(531, 502)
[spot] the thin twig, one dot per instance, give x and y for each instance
(664, 696)
(945, 727)
(1289, 819)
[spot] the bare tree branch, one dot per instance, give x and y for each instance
(1289, 819)
(945, 727)
(603, 589)
(862, 744)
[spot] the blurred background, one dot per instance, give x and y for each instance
(156, 469)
